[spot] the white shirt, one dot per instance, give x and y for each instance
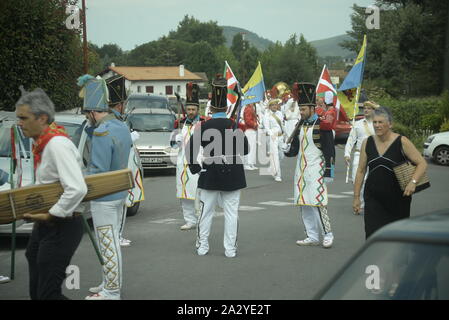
(61, 162)
(291, 110)
(361, 130)
(271, 125)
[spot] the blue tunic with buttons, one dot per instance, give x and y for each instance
(111, 143)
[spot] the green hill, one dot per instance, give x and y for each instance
(325, 47)
(330, 47)
(256, 41)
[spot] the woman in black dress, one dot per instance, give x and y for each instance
(385, 202)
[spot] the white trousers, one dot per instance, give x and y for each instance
(122, 221)
(276, 155)
(316, 220)
(355, 165)
(251, 157)
(209, 199)
(188, 211)
(106, 216)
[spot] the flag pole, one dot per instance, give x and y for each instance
(353, 124)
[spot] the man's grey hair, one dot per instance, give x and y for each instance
(39, 103)
(384, 112)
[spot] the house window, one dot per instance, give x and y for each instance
(138, 88)
(178, 89)
(149, 89)
(168, 89)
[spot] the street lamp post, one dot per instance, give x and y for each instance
(86, 62)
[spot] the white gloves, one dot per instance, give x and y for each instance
(286, 147)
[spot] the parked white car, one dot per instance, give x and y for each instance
(436, 148)
(74, 124)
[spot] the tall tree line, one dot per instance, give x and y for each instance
(406, 55)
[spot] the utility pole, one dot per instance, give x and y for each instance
(86, 61)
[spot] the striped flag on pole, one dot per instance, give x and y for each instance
(232, 90)
(325, 84)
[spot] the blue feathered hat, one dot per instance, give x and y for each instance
(95, 93)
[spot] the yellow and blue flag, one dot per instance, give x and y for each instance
(355, 75)
(347, 93)
(254, 90)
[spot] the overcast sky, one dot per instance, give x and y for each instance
(129, 23)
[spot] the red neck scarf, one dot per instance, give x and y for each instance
(53, 130)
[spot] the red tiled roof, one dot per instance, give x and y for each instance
(155, 73)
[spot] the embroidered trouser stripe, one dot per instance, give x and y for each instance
(324, 220)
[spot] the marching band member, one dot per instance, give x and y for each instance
(186, 182)
(361, 130)
(221, 170)
(274, 127)
(111, 142)
(315, 168)
(117, 98)
(57, 233)
(250, 128)
(291, 111)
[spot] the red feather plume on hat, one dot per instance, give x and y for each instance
(295, 91)
(274, 92)
(189, 90)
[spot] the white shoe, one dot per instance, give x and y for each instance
(254, 168)
(4, 279)
(278, 179)
(230, 254)
(125, 242)
(100, 296)
(247, 167)
(327, 242)
(308, 242)
(201, 251)
(96, 289)
(188, 226)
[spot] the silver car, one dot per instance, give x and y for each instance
(74, 124)
(155, 127)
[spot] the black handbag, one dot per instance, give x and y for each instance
(404, 172)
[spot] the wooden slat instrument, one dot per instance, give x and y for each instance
(40, 198)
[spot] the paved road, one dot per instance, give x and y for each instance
(161, 263)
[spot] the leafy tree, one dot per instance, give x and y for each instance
(294, 61)
(192, 30)
(37, 50)
(239, 46)
(201, 58)
(406, 54)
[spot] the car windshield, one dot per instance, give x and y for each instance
(148, 122)
(5, 141)
(390, 270)
(74, 130)
(146, 102)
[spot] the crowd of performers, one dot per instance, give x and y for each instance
(293, 123)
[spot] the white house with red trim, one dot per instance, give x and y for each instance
(155, 80)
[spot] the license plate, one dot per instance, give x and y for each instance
(152, 160)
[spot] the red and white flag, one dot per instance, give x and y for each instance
(325, 84)
(232, 92)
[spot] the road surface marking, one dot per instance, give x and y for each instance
(276, 203)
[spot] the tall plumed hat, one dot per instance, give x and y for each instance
(95, 93)
(117, 90)
(306, 94)
(219, 93)
(192, 94)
